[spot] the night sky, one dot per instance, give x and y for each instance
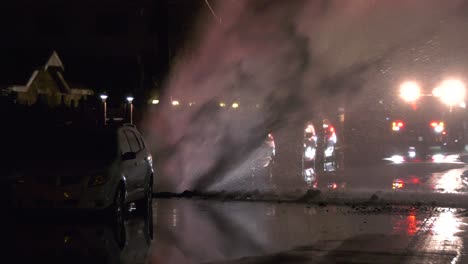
(122, 46)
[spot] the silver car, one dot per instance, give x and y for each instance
(68, 167)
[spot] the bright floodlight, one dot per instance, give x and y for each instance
(437, 92)
(130, 99)
(155, 101)
(451, 92)
(410, 91)
(103, 96)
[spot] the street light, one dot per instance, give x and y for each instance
(222, 104)
(410, 91)
(451, 92)
(175, 103)
(155, 101)
(235, 105)
(104, 98)
(130, 102)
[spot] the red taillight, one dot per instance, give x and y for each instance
(332, 129)
(397, 125)
(435, 124)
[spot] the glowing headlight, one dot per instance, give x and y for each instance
(410, 91)
(438, 158)
(397, 159)
(451, 92)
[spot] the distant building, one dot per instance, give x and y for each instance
(47, 85)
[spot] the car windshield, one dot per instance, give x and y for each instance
(257, 129)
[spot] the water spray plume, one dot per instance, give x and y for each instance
(290, 57)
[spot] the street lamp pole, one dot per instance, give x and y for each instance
(130, 102)
(104, 102)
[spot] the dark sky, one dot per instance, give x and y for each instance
(105, 44)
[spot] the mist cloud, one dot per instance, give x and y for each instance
(288, 57)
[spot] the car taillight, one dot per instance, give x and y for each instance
(439, 127)
(397, 125)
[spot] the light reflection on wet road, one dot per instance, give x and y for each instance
(449, 181)
(423, 177)
(194, 231)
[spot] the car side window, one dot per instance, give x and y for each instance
(140, 141)
(123, 143)
(132, 139)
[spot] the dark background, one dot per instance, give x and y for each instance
(117, 46)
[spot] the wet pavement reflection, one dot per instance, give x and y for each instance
(73, 238)
(197, 231)
(207, 231)
(438, 180)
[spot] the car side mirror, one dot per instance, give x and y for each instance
(129, 156)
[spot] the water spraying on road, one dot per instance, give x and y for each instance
(279, 61)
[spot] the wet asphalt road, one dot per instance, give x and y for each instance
(199, 231)
(206, 231)
(416, 177)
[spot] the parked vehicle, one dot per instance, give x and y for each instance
(85, 168)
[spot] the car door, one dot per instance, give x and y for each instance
(148, 164)
(136, 178)
(128, 165)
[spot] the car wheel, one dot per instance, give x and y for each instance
(149, 223)
(146, 206)
(148, 200)
(117, 215)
